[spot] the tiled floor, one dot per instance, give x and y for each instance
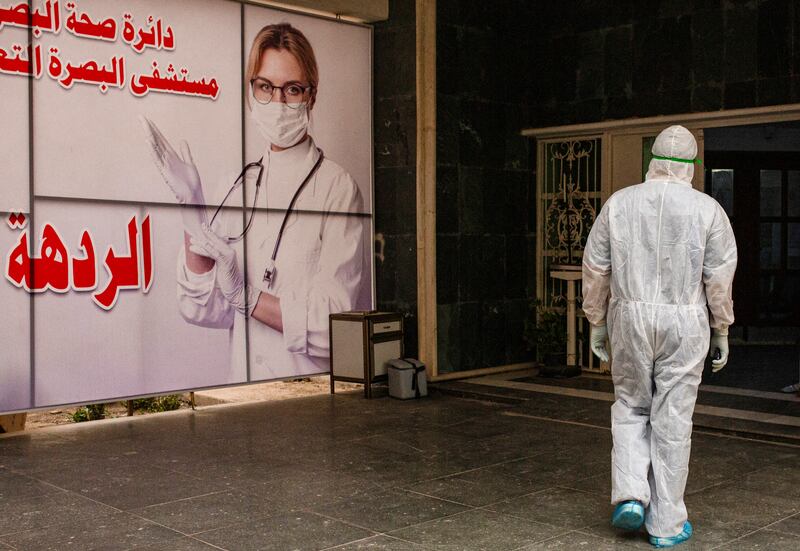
(344, 473)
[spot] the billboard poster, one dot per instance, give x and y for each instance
(186, 195)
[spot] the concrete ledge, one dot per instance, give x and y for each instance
(13, 423)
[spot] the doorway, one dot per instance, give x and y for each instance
(751, 165)
(753, 171)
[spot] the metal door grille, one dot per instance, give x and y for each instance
(568, 199)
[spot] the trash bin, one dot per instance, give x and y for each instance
(407, 379)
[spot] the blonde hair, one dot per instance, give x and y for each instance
(283, 36)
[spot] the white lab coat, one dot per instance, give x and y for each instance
(319, 266)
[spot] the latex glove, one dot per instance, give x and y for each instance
(597, 339)
(180, 174)
(719, 340)
(229, 277)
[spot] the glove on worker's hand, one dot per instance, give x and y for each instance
(719, 341)
(180, 174)
(229, 277)
(597, 338)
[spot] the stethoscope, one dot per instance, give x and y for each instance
(269, 272)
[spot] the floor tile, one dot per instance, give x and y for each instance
(705, 472)
(126, 485)
(559, 468)
(563, 507)
(418, 441)
(233, 469)
(598, 484)
(209, 512)
(388, 510)
(180, 544)
(436, 411)
(777, 480)
(477, 530)
(477, 487)
(111, 532)
(486, 427)
(576, 410)
(747, 455)
(485, 453)
(580, 540)
(380, 543)
(298, 531)
(303, 489)
(790, 525)
(731, 504)
(18, 486)
(397, 470)
(526, 442)
(765, 540)
(17, 515)
(33, 457)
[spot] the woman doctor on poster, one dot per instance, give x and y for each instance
(317, 267)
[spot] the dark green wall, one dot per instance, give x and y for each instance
(395, 164)
(511, 64)
(485, 240)
(609, 60)
(506, 65)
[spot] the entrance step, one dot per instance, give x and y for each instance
(587, 400)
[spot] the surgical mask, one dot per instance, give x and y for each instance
(280, 124)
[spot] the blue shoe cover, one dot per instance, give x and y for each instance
(629, 515)
(673, 540)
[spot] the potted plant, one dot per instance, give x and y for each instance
(546, 332)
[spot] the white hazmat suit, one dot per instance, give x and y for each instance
(659, 258)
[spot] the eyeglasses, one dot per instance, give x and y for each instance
(252, 171)
(295, 95)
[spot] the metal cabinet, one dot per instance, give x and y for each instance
(361, 345)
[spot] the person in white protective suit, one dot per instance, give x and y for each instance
(305, 243)
(658, 270)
